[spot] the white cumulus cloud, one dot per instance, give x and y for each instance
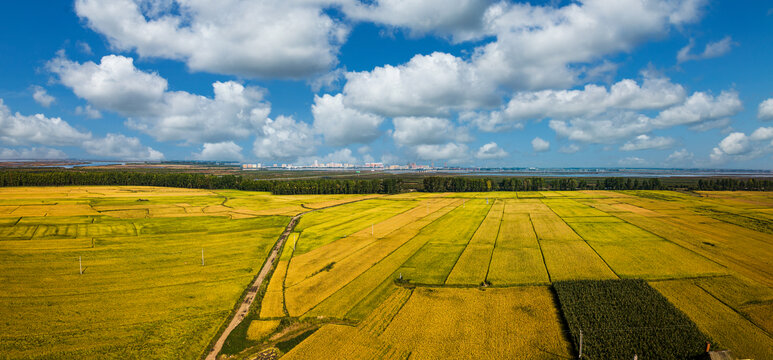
(410, 131)
(284, 139)
(121, 147)
(644, 142)
(712, 50)
(117, 85)
(340, 125)
(18, 129)
(738, 146)
(222, 151)
(34, 153)
(765, 110)
(540, 145)
(490, 151)
(41, 96)
(268, 38)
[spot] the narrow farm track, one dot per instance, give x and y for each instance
(244, 308)
(252, 291)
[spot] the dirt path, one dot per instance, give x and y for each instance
(244, 308)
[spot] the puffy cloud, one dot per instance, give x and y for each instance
(765, 110)
(490, 151)
(222, 151)
(540, 145)
(41, 96)
(427, 85)
(763, 133)
(117, 85)
(654, 93)
(271, 38)
(121, 147)
(412, 131)
(452, 152)
(680, 157)
(34, 153)
(701, 107)
(341, 125)
(609, 128)
(632, 161)
(712, 50)
(738, 146)
(537, 46)
(284, 139)
(644, 142)
(18, 129)
(421, 16)
(88, 112)
(701, 111)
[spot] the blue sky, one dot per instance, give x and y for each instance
(596, 83)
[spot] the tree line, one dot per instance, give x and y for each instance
(362, 186)
(200, 181)
(470, 184)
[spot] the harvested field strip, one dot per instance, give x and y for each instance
(473, 264)
(574, 260)
(304, 265)
(479, 324)
(338, 304)
(373, 265)
(379, 319)
(622, 318)
(721, 323)
(516, 231)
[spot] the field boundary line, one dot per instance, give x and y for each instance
(583, 239)
(468, 244)
(284, 281)
(734, 310)
(499, 230)
(539, 243)
(667, 219)
(388, 255)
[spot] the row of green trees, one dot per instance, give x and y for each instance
(463, 184)
(735, 184)
(199, 181)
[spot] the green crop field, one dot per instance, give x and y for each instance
(413, 275)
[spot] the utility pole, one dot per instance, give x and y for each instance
(580, 357)
(371, 229)
(80, 265)
(202, 256)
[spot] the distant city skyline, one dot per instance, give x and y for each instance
(589, 83)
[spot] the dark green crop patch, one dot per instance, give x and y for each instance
(623, 318)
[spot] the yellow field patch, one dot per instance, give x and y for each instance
(613, 231)
(514, 266)
(574, 260)
(717, 320)
(655, 260)
(304, 265)
(551, 227)
(259, 329)
(474, 324)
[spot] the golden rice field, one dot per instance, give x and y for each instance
(407, 276)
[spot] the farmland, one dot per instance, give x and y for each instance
(412, 275)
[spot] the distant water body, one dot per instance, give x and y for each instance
(643, 173)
